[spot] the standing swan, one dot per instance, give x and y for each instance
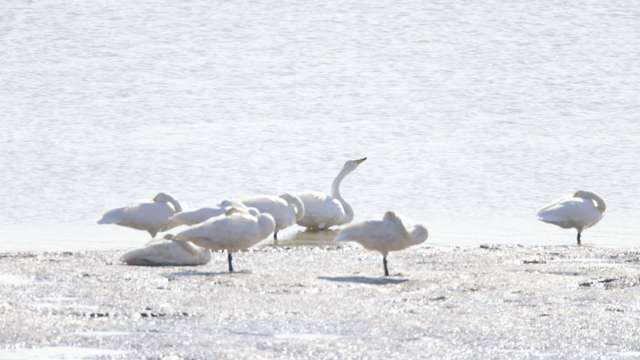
(151, 217)
(388, 234)
(581, 211)
(238, 230)
(286, 209)
(322, 211)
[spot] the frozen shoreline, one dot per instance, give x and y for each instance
(326, 302)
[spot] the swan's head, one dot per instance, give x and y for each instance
(351, 165)
(579, 194)
(162, 197)
(230, 203)
(230, 210)
(419, 234)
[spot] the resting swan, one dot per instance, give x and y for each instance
(238, 230)
(322, 211)
(286, 209)
(388, 234)
(581, 211)
(167, 253)
(151, 217)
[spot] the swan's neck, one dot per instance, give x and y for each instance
(175, 203)
(600, 205)
(188, 247)
(335, 192)
(297, 204)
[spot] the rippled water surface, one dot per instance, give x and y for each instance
(472, 114)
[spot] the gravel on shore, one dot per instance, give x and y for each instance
(493, 301)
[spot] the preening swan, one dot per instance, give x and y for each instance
(167, 253)
(151, 217)
(286, 209)
(388, 234)
(200, 215)
(581, 211)
(321, 211)
(238, 230)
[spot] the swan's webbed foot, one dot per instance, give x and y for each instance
(230, 260)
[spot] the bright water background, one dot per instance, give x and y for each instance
(473, 113)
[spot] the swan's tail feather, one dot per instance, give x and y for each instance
(111, 217)
(347, 234)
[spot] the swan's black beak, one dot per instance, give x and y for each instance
(360, 161)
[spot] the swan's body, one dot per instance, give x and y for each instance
(384, 236)
(238, 230)
(151, 217)
(286, 209)
(200, 215)
(581, 211)
(322, 211)
(168, 253)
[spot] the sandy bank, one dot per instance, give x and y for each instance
(307, 302)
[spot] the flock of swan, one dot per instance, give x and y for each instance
(233, 226)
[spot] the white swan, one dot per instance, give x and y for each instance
(581, 211)
(200, 215)
(286, 209)
(151, 217)
(238, 230)
(388, 234)
(321, 211)
(167, 253)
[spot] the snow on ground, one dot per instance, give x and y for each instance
(503, 302)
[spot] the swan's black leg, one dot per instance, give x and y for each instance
(579, 241)
(275, 238)
(230, 259)
(384, 262)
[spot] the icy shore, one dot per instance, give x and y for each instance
(507, 302)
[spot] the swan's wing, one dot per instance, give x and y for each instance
(320, 210)
(167, 253)
(278, 208)
(570, 213)
(145, 216)
(222, 232)
(370, 233)
(396, 225)
(194, 217)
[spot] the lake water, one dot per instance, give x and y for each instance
(473, 114)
